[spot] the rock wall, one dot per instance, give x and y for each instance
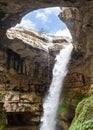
(79, 21)
(26, 72)
(78, 83)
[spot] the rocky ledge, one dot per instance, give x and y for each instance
(22, 108)
(20, 102)
(38, 39)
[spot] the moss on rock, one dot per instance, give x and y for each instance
(83, 119)
(2, 118)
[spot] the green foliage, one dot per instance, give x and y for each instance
(2, 119)
(62, 109)
(1, 127)
(42, 31)
(81, 120)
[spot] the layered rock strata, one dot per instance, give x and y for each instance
(26, 71)
(78, 17)
(38, 39)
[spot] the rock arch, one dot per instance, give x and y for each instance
(76, 14)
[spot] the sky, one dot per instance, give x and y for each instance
(45, 20)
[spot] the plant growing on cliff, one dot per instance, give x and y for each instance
(42, 31)
(83, 118)
(2, 119)
(1, 127)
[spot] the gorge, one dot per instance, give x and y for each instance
(15, 66)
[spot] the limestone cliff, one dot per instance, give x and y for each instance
(26, 72)
(16, 62)
(38, 40)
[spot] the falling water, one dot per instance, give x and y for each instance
(48, 58)
(51, 102)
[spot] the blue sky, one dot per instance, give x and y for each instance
(47, 20)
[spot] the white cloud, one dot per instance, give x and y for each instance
(42, 16)
(53, 10)
(27, 24)
(64, 32)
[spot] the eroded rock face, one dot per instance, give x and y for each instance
(77, 14)
(79, 21)
(11, 12)
(21, 102)
(38, 40)
(28, 66)
(79, 79)
(26, 70)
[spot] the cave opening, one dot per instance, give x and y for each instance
(47, 21)
(22, 119)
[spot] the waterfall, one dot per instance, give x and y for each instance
(51, 102)
(48, 58)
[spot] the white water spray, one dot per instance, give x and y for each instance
(51, 102)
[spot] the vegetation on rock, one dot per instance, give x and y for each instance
(84, 115)
(2, 119)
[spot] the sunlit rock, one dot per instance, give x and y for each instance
(37, 39)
